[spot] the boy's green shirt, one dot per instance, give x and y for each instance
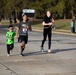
(10, 37)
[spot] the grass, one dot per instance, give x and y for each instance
(63, 24)
(5, 23)
(59, 24)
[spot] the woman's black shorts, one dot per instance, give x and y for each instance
(23, 38)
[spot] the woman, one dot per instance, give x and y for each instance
(22, 30)
(47, 30)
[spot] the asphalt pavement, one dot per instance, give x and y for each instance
(62, 60)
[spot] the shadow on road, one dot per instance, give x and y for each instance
(35, 53)
(45, 52)
(62, 50)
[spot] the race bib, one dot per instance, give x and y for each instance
(24, 30)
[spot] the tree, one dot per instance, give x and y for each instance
(60, 8)
(1, 7)
(66, 8)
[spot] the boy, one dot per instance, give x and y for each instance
(10, 39)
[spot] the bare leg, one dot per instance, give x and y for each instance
(22, 47)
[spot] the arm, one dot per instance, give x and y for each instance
(52, 20)
(53, 25)
(17, 32)
(44, 24)
(17, 20)
(7, 35)
(29, 27)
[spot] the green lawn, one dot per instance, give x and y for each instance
(60, 24)
(63, 24)
(6, 23)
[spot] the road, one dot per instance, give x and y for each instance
(62, 60)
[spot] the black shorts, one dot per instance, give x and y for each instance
(23, 38)
(10, 46)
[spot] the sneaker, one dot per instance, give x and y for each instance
(8, 55)
(42, 49)
(49, 51)
(21, 54)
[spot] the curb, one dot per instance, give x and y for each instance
(65, 32)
